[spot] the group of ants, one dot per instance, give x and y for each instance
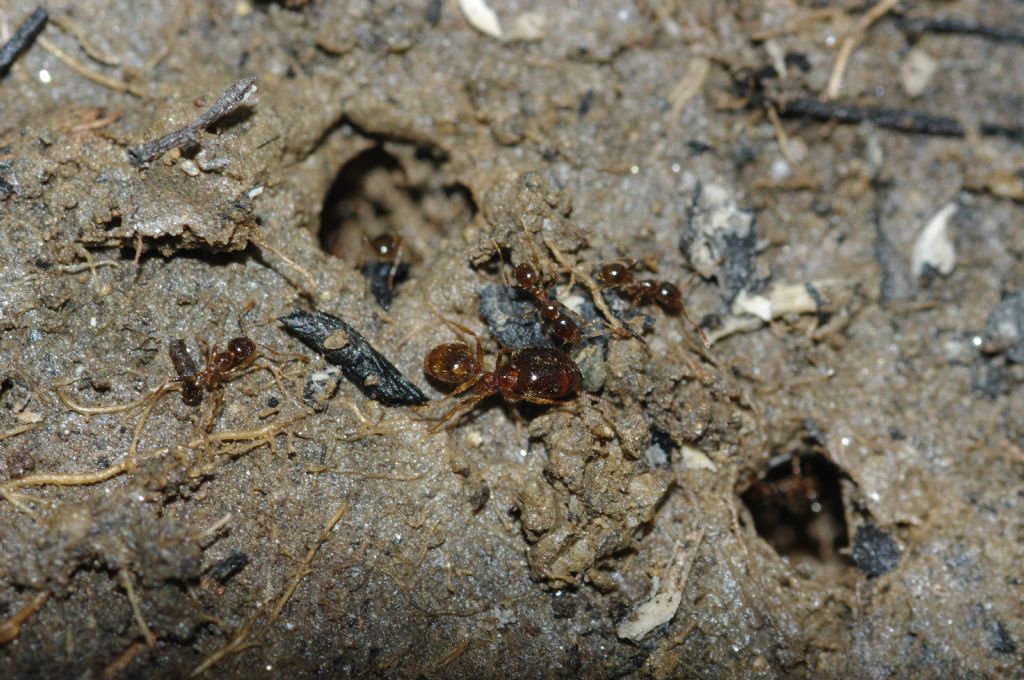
(538, 375)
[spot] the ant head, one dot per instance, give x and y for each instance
(241, 348)
(386, 245)
(451, 363)
(527, 276)
(615, 274)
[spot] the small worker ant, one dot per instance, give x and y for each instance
(539, 375)
(562, 322)
(620, 275)
(240, 353)
(385, 266)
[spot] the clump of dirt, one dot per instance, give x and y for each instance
(829, 486)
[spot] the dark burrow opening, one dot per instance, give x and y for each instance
(797, 507)
(397, 192)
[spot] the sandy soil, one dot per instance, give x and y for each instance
(833, 488)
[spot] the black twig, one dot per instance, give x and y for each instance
(955, 26)
(904, 120)
(365, 366)
(232, 98)
(22, 38)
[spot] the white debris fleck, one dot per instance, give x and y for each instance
(916, 72)
(758, 305)
(934, 247)
(661, 608)
(696, 460)
(189, 167)
(481, 17)
(44, 76)
(528, 27)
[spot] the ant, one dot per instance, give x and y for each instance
(620, 275)
(240, 353)
(563, 323)
(386, 251)
(539, 375)
(665, 294)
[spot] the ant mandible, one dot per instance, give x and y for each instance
(539, 375)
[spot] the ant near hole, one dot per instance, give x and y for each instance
(620, 275)
(538, 375)
(385, 266)
(220, 367)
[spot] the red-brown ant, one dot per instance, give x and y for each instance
(539, 375)
(664, 293)
(620, 275)
(240, 353)
(562, 322)
(387, 248)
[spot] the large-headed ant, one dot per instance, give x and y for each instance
(539, 375)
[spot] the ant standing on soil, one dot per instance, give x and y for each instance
(665, 294)
(240, 353)
(561, 321)
(539, 375)
(620, 275)
(387, 248)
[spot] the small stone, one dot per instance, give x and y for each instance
(916, 72)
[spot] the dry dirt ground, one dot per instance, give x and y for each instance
(833, 488)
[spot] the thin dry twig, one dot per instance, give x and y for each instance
(68, 25)
(586, 280)
(850, 43)
(20, 429)
(125, 577)
(228, 102)
(11, 628)
(303, 569)
(115, 84)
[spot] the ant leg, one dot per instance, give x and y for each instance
(463, 406)
(396, 262)
(682, 310)
(152, 399)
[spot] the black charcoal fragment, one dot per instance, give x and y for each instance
(377, 273)
(874, 551)
(363, 365)
(23, 37)
(512, 317)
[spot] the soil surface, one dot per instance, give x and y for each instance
(832, 486)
